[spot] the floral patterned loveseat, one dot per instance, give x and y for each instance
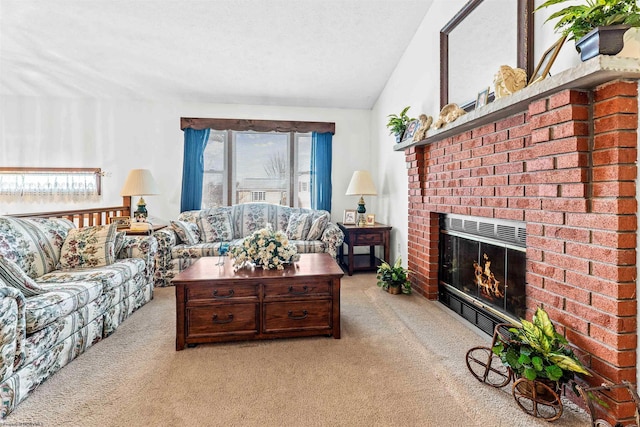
(63, 289)
(203, 232)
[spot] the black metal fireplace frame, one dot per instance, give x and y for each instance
(504, 233)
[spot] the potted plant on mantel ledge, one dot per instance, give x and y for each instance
(397, 124)
(598, 26)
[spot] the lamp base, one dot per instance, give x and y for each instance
(361, 211)
(141, 214)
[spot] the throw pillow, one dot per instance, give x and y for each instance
(187, 231)
(298, 227)
(13, 276)
(89, 247)
(216, 227)
(317, 227)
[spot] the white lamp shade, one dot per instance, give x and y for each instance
(361, 185)
(139, 182)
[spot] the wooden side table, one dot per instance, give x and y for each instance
(370, 235)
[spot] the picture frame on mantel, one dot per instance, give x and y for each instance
(548, 58)
(411, 130)
(483, 98)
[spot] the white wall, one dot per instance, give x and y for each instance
(415, 82)
(119, 135)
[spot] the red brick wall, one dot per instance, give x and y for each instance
(566, 167)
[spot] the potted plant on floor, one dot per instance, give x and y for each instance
(539, 358)
(394, 279)
(398, 123)
(597, 26)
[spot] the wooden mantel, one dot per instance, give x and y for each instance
(587, 75)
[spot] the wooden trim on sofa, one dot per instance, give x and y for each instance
(257, 125)
(85, 217)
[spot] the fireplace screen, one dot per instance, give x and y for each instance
(485, 262)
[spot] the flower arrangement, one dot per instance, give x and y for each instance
(264, 248)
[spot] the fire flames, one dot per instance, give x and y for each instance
(486, 280)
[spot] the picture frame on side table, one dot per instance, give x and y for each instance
(120, 221)
(370, 220)
(349, 217)
(544, 65)
(483, 98)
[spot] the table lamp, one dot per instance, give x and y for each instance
(140, 182)
(361, 184)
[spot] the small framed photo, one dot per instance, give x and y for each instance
(483, 98)
(544, 65)
(349, 217)
(412, 127)
(120, 221)
(371, 220)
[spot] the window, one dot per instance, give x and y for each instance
(243, 156)
(258, 196)
(53, 184)
(246, 166)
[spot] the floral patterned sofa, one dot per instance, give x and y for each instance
(63, 289)
(204, 232)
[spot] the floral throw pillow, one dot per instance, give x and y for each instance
(89, 247)
(187, 231)
(216, 227)
(317, 227)
(298, 227)
(13, 276)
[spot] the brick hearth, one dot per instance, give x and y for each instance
(566, 165)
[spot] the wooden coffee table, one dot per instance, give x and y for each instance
(214, 303)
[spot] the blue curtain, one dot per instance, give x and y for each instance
(321, 171)
(195, 142)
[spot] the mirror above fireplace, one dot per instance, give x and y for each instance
(482, 36)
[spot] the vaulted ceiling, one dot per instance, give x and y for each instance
(311, 53)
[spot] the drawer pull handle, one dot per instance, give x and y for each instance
(215, 294)
(304, 315)
(305, 290)
(229, 319)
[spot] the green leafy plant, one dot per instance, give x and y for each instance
(577, 20)
(392, 276)
(537, 351)
(398, 123)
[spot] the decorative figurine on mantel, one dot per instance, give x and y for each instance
(509, 80)
(425, 124)
(449, 113)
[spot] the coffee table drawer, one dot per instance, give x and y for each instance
(297, 290)
(222, 319)
(297, 315)
(221, 292)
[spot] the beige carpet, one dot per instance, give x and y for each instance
(400, 362)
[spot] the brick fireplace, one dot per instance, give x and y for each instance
(561, 159)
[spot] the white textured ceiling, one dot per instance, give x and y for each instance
(315, 53)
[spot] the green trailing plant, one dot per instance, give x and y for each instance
(395, 275)
(576, 21)
(398, 123)
(537, 351)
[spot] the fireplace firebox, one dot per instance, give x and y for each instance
(482, 269)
